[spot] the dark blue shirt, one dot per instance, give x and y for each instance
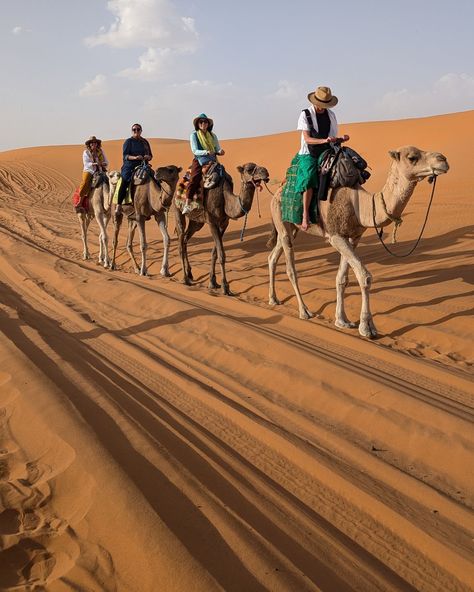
(133, 147)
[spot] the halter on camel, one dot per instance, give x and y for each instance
(398, 221)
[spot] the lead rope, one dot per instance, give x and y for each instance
(246, 212)
(398, 221)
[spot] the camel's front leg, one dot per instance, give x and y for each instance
(180, 223)
(342, 280)
(216, 235)
(103, 240)
(304, 312)
(272, 263)
(163, 226)
(366, 323)
(117, 224)
(132, 226)
(84, 221)
(213, 285)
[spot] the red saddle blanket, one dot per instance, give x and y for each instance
(76, 200)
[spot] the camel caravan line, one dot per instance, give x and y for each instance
(343, 219)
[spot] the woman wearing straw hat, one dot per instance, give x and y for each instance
(205, 147)
(94, 160)
(317, 130)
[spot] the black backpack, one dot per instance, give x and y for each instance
(344, 166)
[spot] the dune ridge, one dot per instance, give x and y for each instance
(198, 442)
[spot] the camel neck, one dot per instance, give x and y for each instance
(237, 206)
(397, 191)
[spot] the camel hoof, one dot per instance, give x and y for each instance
(345, 324)
(213, 285)
(274, 301)
(367, 331)
(306, 314)
(187, 281)
(165, 273)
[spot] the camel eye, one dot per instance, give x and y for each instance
(413, 159)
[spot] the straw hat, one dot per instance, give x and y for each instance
(92, 139)
(323, 98)
(202, 116)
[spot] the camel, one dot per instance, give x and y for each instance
(343, 220)
(100, 198)
(152, 198)
(220, 205)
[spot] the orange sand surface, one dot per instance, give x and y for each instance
(161, 438)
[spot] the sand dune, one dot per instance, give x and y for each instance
(161, 437)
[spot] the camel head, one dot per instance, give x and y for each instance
(169, 175)
(114, 177)
(253, 173)
(415, 164)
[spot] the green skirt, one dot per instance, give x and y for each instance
(301, 175)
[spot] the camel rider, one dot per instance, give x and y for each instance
(135, 150)
(205, 147)
(315, 140)
(94, 160)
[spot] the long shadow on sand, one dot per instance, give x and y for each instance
(156, 417)
(166, 426)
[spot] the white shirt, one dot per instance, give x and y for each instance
(303, 125)
(89, 165)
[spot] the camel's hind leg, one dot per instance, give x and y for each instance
(162, 222)
(366, 323)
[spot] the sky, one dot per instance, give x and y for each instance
(75, 68)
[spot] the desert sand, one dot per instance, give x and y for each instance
(156, 437)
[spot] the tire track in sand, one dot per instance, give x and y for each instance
(303, 494)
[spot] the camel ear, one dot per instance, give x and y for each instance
(180, 169)
(394, 154)
(240, 169)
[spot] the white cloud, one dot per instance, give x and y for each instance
(451, 92)
(151, 24)
(19, 30)
(152, 63)
(146, 23)
(95, 88)
(286, 90)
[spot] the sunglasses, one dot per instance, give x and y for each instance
(203, 121)
(136, 129)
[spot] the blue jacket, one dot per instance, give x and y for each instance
(202, 155)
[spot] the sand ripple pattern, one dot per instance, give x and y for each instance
(283, 456)
(39, 544)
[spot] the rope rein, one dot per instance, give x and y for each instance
(246, 212)
(398, 221)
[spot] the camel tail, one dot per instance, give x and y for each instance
(272, 238)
